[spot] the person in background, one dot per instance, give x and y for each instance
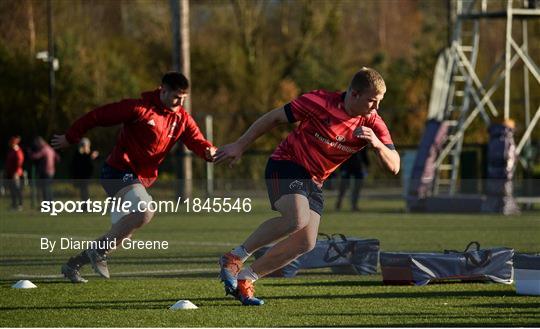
(13, 172)
(47, 159)
(356, 168)
(82, 167)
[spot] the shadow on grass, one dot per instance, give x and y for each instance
(126, 301)
(123, 304)
(411, 294)
(513, 305)
(195, 300)
(32, 261)
(368, 211)
(123, 277)
(35, 281)
(58, 260)
(410, 319)
(193, 275)
(503, 315)
(121, 261)
(350, 283)
(443, 323)
(145, 306)
(439, 324)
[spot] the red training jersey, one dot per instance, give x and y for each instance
(148, 133)
(326, 136)
(14, 162)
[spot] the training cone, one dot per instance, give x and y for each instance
(24, 284)
(183, 305)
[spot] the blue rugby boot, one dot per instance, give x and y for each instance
(246, 292)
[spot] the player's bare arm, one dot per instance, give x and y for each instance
(233, 152)
(388, 158)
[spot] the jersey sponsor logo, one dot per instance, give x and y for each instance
(337, 145)
(296, 185)
(152, 122)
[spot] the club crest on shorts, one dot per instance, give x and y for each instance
(127, 178)
(358, 132)
(296, 185)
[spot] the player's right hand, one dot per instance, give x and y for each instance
(230, 152)
(59, 142)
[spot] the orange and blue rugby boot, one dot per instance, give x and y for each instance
(230, 267)
(245, 293)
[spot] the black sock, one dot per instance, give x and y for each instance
(79, 260)
(103, 246)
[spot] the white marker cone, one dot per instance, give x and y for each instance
(183, 305)
(24, 284)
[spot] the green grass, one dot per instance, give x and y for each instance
(146, 283)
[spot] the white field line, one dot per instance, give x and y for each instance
(56, 276)
(180, 243)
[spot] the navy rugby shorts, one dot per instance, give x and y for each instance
(286, 177)
(113, 180)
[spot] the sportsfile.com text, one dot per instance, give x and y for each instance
(195, 205)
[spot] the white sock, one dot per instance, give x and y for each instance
(248, 274)
(241, 253)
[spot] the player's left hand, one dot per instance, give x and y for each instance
(230, 152)
(210, 153)
(369, 136)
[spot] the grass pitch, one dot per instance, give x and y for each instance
(145, 283)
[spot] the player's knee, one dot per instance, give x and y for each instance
(138, 197)
(297, 218)
(294, 209)
(147, 217)
(306, 246)
(296, 222)
(143, 218)
(297, 225)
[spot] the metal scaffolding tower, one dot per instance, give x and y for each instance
(459, 95)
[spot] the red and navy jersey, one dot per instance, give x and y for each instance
(326, 135)
(148, 133)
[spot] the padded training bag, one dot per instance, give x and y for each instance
(493, 264)
(336, 251)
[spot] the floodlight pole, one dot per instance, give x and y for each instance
(31, 28)
(51, 54)
(181, 62)
(450, 20)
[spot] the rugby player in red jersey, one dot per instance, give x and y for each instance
(332, 127)
(151, 126)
